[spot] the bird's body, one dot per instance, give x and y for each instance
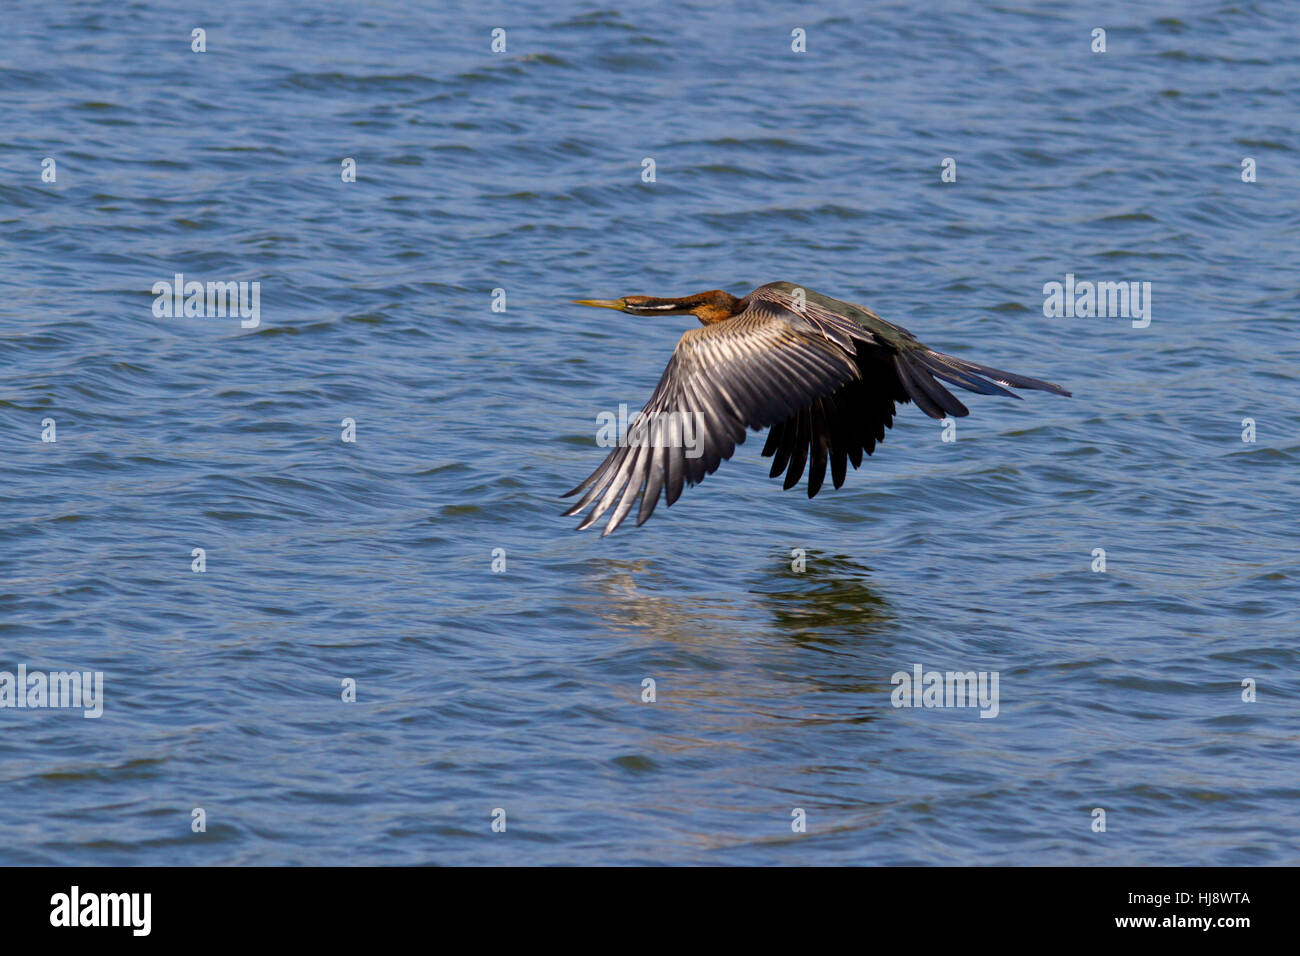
(824, 375)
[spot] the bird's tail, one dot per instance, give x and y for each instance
(919, 368)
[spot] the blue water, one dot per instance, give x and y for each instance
(521, 690)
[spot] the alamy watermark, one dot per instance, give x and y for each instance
(922, 688)
(53, 689)
(75, 908)
(657, 429)
(1103, 300)
(213, 300)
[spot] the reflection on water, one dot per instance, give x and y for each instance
(828, 608)
(825, 600)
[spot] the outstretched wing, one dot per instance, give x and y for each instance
(918, 365)
(894, 368)
(750, 371)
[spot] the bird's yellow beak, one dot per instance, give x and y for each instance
(602, 303)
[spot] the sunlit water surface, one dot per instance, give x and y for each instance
(522, 690)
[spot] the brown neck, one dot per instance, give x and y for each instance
(711, 307)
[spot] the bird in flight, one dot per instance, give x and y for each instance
(822, 374)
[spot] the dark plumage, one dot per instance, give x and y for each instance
(824, 375)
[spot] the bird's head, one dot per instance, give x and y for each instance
(708, 307)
